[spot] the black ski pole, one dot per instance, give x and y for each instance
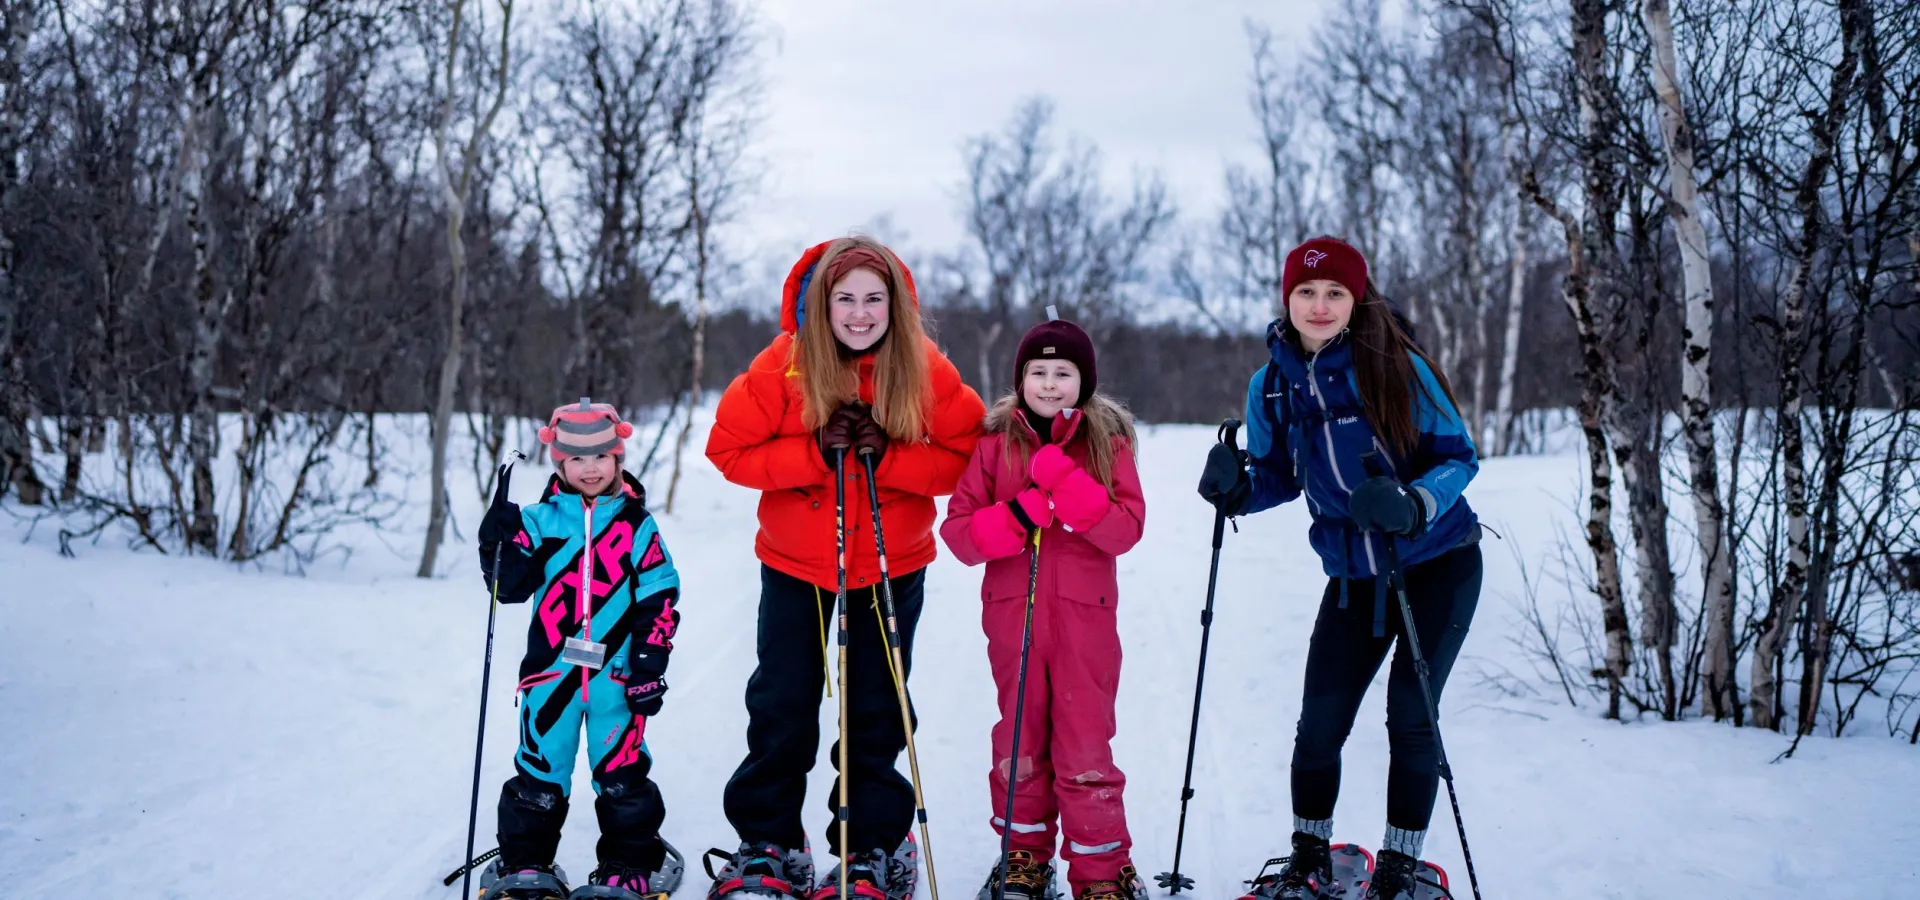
(1397, 578)
(1173, 881)
(486, 676)
(1019, 711)
(840, 603)
(891, 635)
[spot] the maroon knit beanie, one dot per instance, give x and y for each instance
(1328, 258)
(1058, 338)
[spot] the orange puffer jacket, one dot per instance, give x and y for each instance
(758, 441)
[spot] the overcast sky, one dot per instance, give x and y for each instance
(868, 102)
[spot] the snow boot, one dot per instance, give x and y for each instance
(1315, 871)
(1401, 877)
(876, 876)
(1129, 887)
(761, 870)
(613, 881)
(523, 883)
(1026, 879)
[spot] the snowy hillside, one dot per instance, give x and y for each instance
(185, 729)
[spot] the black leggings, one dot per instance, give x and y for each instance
(1341, 662)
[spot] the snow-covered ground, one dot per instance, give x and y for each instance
(180, 728)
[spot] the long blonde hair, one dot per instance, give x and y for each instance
(1106, 420)
(828, 380)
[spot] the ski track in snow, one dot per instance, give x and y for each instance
(186, 729)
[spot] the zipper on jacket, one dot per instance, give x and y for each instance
(1333, 456)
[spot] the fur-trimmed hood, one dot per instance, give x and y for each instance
(1116, 419)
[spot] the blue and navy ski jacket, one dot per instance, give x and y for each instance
(635, 586)
(1306, 434)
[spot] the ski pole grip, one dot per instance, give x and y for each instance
(1374, 465)
(1227, 435)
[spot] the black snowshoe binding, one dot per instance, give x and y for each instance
(760, 870)
(1401, 877)
(1026, 879)
(613, 881)
(1129, 887)
(876, 875)
(523, 883)
(1315, 871)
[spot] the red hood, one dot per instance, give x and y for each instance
(802, 271)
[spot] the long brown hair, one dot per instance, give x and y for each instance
(828, 380)
(1383, 355)
(1106, 420)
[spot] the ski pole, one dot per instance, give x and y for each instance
(891, 635)
(1397, 578)
(840, 604)
(1019, 711)
(486, 676)
(1173, 881)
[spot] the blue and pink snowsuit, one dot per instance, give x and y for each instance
(599, 571)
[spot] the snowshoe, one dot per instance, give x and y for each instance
(1401, 877)
(1129, 887)
(876, 876)
(1314, 871)
(616, 882)
(523, 883)
(1026, 879)
(760, 870)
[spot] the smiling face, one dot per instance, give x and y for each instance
(1050, 385)
(857, 309)
(1319, 309)
(591, 475)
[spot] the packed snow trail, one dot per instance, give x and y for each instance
(183, 729)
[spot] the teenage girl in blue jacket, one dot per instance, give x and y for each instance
(1350, 414)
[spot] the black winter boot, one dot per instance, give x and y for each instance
(1305, 875)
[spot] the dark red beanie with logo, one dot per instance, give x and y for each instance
(1328, 258)
(1058, 339)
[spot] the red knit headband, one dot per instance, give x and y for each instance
(855, 258)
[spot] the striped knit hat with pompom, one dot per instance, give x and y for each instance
(586, 429)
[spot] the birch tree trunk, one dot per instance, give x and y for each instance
(699, 330)
(1502, 437)
(1589, 245)
(1718, 687)
(456, 184)
(1791, 591)
(17, 20)
(210, 310)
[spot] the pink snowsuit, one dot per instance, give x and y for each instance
(1073, 671)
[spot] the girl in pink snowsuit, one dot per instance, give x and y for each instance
(1057, 457)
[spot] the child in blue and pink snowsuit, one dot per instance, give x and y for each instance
(597, 649)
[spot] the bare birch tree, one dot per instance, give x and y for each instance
(457, 176)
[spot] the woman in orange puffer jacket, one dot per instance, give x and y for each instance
(852, 366)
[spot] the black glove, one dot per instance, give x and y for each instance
(516, 564)
(840, 430)
(645, 693)
(869, 438)
(502, 521)
(1383, 504)
(1224, 482)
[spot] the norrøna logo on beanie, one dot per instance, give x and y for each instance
(1313, 258)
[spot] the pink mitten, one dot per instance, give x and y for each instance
(1049, 467)
(998, 533)
(1080, 501)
